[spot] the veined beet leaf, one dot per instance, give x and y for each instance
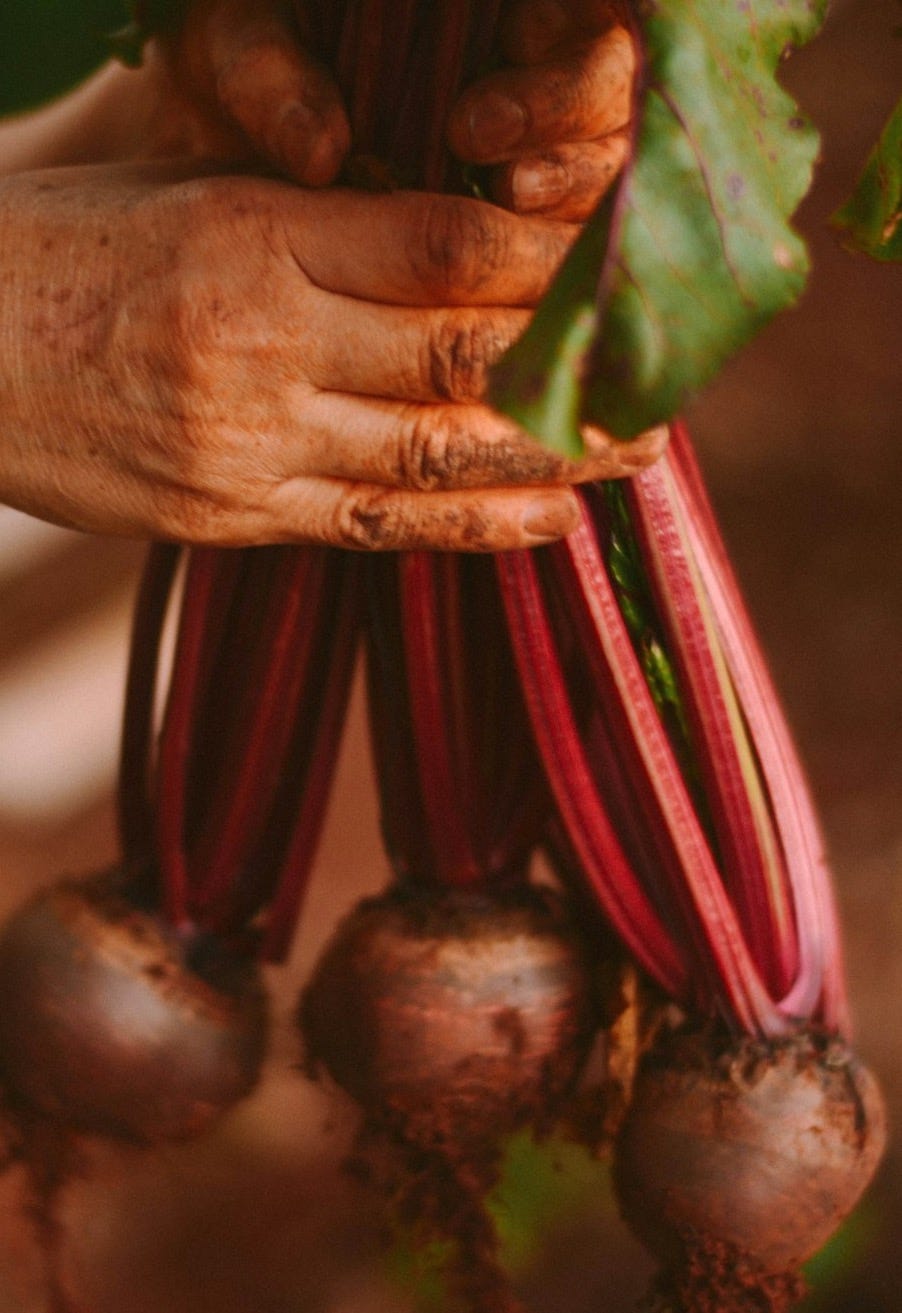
(871, 220)
(695, 252)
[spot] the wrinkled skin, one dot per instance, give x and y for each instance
(233, 360)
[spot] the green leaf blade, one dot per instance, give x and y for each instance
(697, 253)
(871, 220)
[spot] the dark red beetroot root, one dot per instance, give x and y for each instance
(737, 1163)
(110, 1023)
(453, 1019)
(460, 1012)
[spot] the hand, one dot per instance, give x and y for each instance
(554, 123)
(232, 360)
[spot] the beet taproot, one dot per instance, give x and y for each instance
(737, 1162)
(453, 1018)
(111, 1022)
(465, 1011)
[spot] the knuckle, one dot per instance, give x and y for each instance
(436, 451)
(367, 520)
(370, 519)
(459, 245)
(459, 353)
(440, 449)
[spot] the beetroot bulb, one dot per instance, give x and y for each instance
(131, 1003)
(458, 1007)
(681, 805)
(111, 1022)
(738, 1160)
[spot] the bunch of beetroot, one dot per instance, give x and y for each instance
(677, 808)
(602, 700)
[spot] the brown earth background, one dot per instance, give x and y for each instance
(802, 440)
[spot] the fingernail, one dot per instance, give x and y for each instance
(496, 124)
(548, 518)
(537, 184)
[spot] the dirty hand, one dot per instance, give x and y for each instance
(551, 123)
(234, 360)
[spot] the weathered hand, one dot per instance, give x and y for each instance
(553, 123)
(233, 360)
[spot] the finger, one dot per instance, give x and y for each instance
(422, 448)
(367, 518)
(564, 183)
(281, 99)
(411, 248)
(580, 96)
(428, 355)
(445, 448)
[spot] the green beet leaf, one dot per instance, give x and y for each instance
(871, 220)
(695, 251)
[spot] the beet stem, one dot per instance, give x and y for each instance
(256, 753)
(750, 860)
(820, 974)
(588, 827)
(175, 746)
(134, 803)
(323, 739)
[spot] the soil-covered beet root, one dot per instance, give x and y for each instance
(460, 1012)
(454, 1019)
(110, 1022)
(737, 1162)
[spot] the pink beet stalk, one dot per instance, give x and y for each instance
(175, 743)
(134, 803)
(221, 821)
(685, 807)
(820, 982)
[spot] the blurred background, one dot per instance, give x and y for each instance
(802, 440)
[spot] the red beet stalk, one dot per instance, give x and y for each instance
(694, 831)
(236, 792)
(463, 799)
